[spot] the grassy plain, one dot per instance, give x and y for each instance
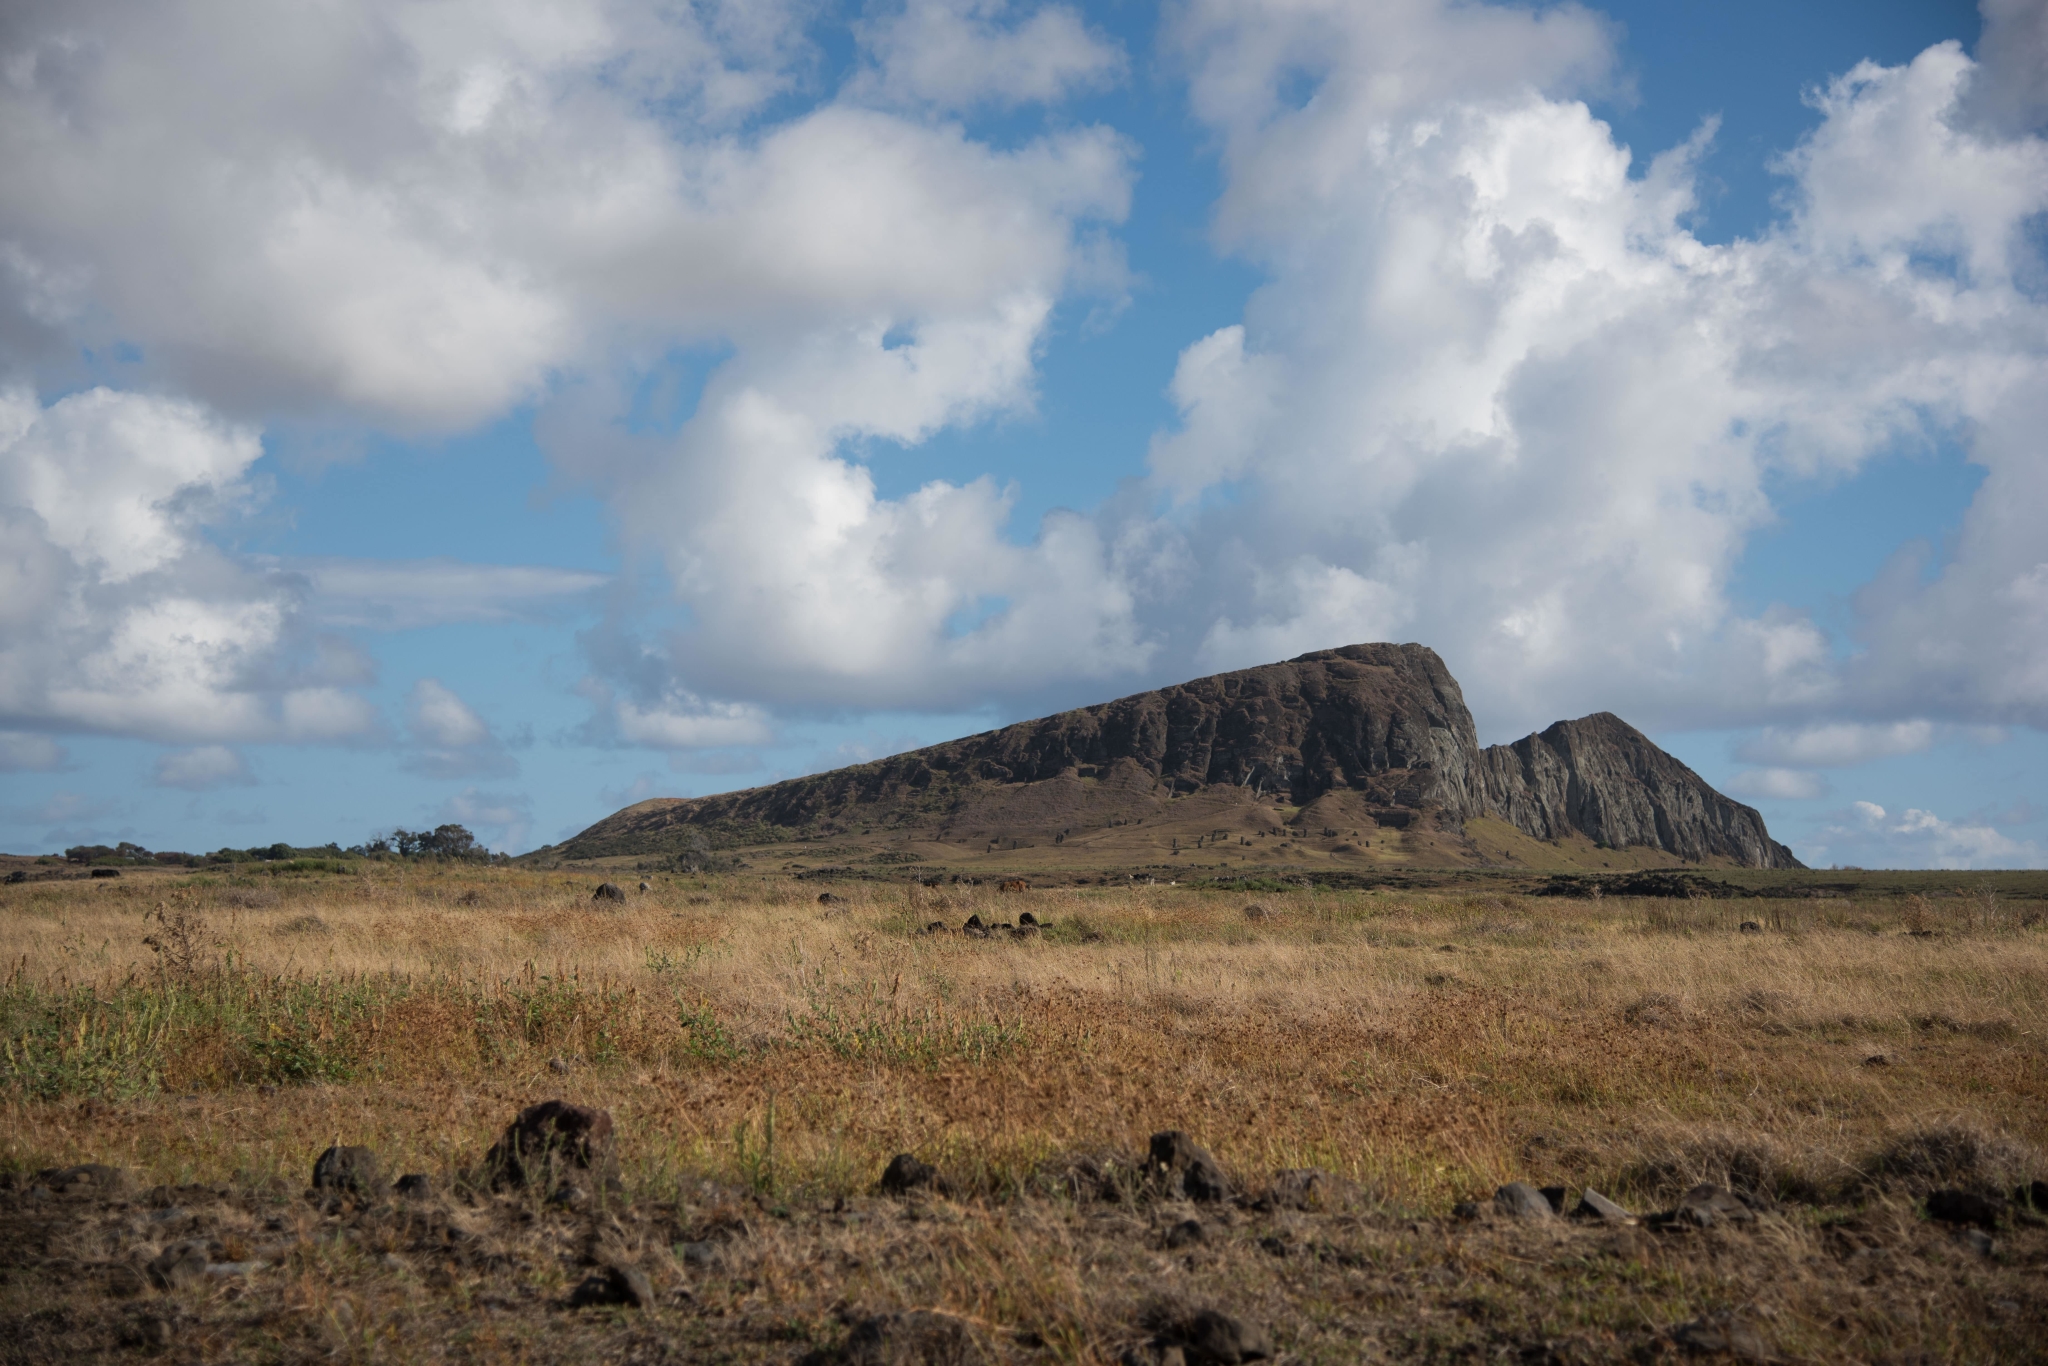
(764, 1056)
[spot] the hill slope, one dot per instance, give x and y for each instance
(1361, 753)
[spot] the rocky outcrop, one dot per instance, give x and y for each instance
(1599, 776)
(1387, 722)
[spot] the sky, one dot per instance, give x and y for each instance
(417, 411)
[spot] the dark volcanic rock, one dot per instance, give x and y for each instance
(906, 1173)
(1209, 1337)
(549, 1140)
(1602, 777)
(353, 1171)
(626, 1285)
(1964, 1207)
(1520, 1200)
(1189, 1166)
(1385, 722)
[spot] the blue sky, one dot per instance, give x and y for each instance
(500, 413)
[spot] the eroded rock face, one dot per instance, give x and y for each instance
(1387, 722)
(1602, 777)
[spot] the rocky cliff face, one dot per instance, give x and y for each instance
(1602, 777)
(1385, 721)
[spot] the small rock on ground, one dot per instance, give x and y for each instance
(350, 1170)
(1520, 1200)
(1708, 1204)
(608, 891)
(627, 1285)
(1189, 1166)
(550, 1138)
(906, 1173)
(1210, 1337)
(1964, 1207)
(1593, 1205)
(177, 1264)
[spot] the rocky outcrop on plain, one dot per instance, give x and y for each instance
(1386, 722)
(1600, 776)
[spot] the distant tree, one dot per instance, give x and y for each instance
(451, 841)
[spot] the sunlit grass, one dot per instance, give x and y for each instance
(1424, 1045)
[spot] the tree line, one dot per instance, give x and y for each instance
(442, 842)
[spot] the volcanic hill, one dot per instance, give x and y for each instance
(1362, 757)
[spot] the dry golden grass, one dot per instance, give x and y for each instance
(1426, 1048)
(1420, 1045)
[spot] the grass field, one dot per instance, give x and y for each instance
(763, 1058)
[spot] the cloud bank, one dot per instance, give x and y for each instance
(1494, 392)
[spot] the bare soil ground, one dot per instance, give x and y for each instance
(763, 1056)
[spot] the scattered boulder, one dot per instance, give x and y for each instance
(106, 872)
(920, 1337)
(1751, 927)
(1026, 919)
(608, 891)
(938, 927)
(1520, 1200)
(828, 899)
(905, 1173)
(1024, 932)
(1257, 913)
(18, 875)
(626, 1285)
(1723, 1334)
(348, 1171)
(1185, 1233)
(550, 1140)
(645, 885)
(1209, 1337)
(179, 1264)
(1188, 1167)
(415, 1186)
(1706, 1205)
(1965, 1207)
(1593, 1205)
(974, 923)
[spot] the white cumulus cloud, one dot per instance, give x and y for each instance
(1837, 744)
(960, 53)
(1498, 396)
(453, 741)
(117, 614)
(1867, 835)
